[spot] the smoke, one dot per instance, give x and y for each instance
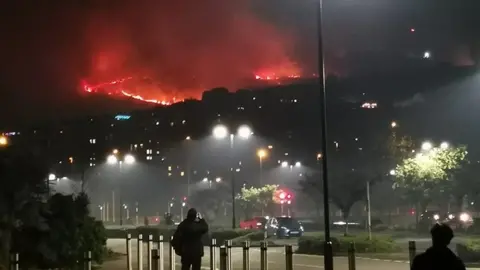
(417, 98)
(184, 47)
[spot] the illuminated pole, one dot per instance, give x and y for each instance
(261, 153)
(221, 132)
(328, 255)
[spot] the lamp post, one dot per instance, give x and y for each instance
(261, 153)
(220, 132)
(328, 261)
(113, 160)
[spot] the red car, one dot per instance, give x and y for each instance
(254, 223)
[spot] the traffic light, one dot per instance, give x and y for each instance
(289, 196)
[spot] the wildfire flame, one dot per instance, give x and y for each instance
(120, 89)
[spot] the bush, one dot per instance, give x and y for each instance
(469, 251)
(315, 244)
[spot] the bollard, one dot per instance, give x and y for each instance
(140, 252)
(351, 257)
(223, 258)
(213, 254)
(149, 252)
(288, 257)
(160, 251)
(172, 255)
(263, 256)
(412, 251)
(15, 261)
(246, 255)
(228, 245)
(129, 251)
(155, 259)
(88, 259)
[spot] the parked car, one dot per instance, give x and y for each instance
(254, 223)
(284, 227)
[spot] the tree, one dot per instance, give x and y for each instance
(346, 188)
(210, 202)
(428, 174)
(257, 199)
(23, 180)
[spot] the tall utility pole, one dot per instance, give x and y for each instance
(328, 254)
(232, 170)
(369, 213)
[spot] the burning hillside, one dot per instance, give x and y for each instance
(175, 51)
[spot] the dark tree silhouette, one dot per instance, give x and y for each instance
(23, 180)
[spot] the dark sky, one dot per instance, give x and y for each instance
(47, 49)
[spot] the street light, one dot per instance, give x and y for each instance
(444, 145)
(221, 132)
(393, 124)
(218, 179)
(284, 164)
(298, 164)
(129, 159)
(261, 153)
(427, 146)
(3, 141)
(112, 160)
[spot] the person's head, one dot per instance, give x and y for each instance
(192, 214)
(442, 234)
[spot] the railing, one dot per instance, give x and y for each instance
(156, 260)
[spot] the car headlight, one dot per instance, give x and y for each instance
(464, 217)
(451, 216)
(436, 216)
(301, 228)
(259, 224)
(285, 229)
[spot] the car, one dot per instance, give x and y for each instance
(254, 223)
(283, 227)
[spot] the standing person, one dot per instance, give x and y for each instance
(187, 240)
(439, 256)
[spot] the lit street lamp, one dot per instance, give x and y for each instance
(261, 153)
(3, 141)
(220, 132)
(114, 160)
(427, 146)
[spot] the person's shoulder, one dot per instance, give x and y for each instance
(420, 260)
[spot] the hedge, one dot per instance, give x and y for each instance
(315, 244)
(470, 251)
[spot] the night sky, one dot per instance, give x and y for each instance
(47, 49)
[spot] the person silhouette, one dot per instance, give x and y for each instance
(438, 256)
(187, 240)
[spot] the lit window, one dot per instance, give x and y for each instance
(170, 168)
(149, 151)
(93, 141)
(157, 123)
(158, 152)
(183, 122)
(182, 173)
(169, 174)
(149, 157)
(172, 124)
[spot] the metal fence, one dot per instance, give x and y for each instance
(155, 256)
